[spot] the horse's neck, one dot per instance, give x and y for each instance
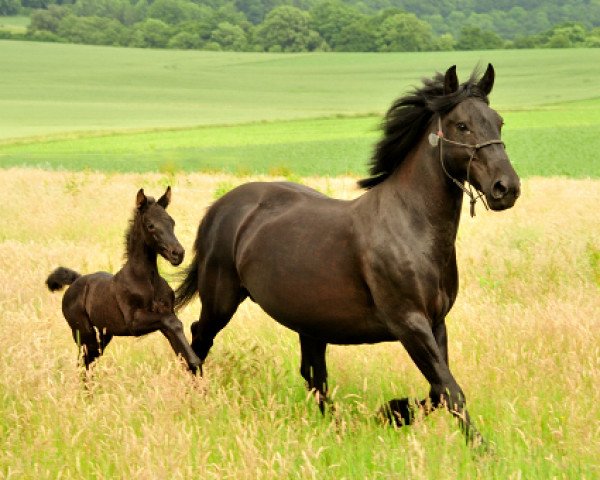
(419, 196)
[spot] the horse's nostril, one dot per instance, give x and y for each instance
(499, 190)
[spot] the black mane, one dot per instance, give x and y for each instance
(408, 117)
(134, 231)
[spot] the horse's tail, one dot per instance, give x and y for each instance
(60, 277)
(189, 286)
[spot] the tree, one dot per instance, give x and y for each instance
(356, 37)
(474, 38)
(153, 33)
(255, 10)
(404, 32)
(47, 20)
(285, 29)
(567, 35)
(184, 41)
(173, 11)
(330, 17)
(9, 7)
(229, 37)
(91, 30)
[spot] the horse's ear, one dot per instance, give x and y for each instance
(141, 200)
(165, 199)
(487, 81)
(450, 81)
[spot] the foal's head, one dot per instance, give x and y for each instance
(156, 227)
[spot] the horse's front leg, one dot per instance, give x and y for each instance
(171, 327)
(417, 337)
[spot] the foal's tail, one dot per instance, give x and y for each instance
(60, 277)
(189, 286)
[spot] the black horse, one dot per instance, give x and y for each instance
(136, 300)
(378, 268)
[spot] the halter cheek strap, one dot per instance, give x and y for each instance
(438, 139)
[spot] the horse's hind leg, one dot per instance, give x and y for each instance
(313, 368)
(220, 300)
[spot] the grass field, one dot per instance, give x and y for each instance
(524, 342)
(557, 140)
(82, 128)
(94, 111)
(104, 88)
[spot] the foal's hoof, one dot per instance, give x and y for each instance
(399, 412)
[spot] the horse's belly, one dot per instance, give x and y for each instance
(338, 316)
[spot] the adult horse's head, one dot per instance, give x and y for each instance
(469, 139)
(156, 226)
(464, 134)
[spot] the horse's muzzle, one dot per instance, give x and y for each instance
(504, 193)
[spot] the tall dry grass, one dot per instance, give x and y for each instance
(524, 345)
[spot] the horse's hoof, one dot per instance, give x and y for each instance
(398, 412)
(197, 370)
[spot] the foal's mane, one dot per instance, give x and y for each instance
(408, 117)
(134, 230)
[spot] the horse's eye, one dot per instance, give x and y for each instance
(150, 227)
(462, 127)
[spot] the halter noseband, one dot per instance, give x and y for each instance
(434, 141)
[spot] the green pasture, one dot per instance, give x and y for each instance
(557, 140)
(125, 110)
(50, 89)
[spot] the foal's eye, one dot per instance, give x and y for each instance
(150, 227)
(462, 127)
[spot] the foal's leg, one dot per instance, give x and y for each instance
(145, 322)
(313, 368)
(173, 330)
(416, 335)
(84, 333)
(89, 347)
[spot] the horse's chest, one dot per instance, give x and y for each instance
(407, 279)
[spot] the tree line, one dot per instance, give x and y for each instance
(312, 25)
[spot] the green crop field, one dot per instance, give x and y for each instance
(558, 140)
(131, 110)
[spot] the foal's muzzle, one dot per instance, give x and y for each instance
(174, 254)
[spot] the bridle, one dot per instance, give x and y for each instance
(434, 141)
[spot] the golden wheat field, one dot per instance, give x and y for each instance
(524, 340)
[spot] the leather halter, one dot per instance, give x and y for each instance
(434, 141)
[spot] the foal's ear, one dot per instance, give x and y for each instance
(487, 81)
(450, 81)
(165, 199)
(141, 200)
